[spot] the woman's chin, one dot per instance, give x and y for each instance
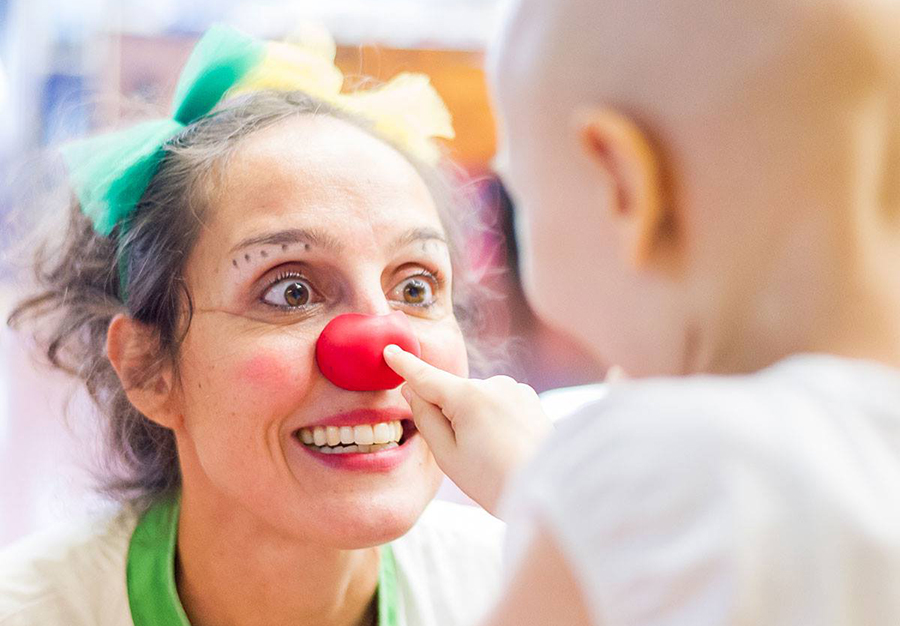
(379, 520)
(365, 505)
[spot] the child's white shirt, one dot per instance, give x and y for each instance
(772, 498)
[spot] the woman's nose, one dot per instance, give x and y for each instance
(349, 350)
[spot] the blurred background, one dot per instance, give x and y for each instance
(69, 67)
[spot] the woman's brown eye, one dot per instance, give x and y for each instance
(289, 293)
(417, 292)
(296, 294)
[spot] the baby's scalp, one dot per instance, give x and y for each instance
(688, 57)
(705, 76)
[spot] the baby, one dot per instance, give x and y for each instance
(709, 196)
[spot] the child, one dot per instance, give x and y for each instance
(710, 196)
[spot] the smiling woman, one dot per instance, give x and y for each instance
(254, 489)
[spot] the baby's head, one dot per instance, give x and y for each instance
(703, 183)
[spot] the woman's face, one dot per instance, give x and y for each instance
(312, 218)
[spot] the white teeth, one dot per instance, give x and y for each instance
(337, 449)
(383, 432)
(364, 434)
(361, 438)
(358, 449)
(333, 435)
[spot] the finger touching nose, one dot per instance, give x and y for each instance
(432, 384)
(349, 352)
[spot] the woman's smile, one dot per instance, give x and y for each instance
(361, 440)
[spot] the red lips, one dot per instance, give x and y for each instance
(349, 350)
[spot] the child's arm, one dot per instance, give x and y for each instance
(480, 431)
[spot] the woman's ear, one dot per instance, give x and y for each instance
(630, 168)
(132, 348)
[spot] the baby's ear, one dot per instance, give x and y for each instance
(133, 350)
(629, 167)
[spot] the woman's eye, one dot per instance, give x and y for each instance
(289, 293)
(416, 291)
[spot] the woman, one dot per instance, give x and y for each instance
(203, 259)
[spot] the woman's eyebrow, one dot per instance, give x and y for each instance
(419, 234)
(314, 238)
(290, 236)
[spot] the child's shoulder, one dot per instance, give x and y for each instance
(71, 573)
(789, 428)
(809, 393)
(780, 484)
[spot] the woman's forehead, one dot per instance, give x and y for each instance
(318, 173)
(304, 149)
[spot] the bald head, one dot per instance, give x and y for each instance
(749, 84)
(687, 57)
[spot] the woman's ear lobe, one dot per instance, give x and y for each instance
(630, 168)
(133, 349)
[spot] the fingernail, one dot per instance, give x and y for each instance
(392, 349)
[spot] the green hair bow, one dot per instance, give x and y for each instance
(110, 173)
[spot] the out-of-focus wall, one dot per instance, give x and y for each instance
(148, 68)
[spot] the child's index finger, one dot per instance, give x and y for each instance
(431, 383)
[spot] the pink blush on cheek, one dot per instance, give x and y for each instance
(272, 370)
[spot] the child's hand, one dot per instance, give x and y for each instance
(480, 431)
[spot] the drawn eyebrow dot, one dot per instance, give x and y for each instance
(246, 257)
(306, 246)
(234, 262)
(284, 247)
(263, 253)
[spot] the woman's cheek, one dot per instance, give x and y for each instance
(443, 346)
(280, 373)
(264, 370)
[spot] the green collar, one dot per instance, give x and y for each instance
(150, 572)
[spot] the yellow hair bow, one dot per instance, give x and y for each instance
(406, 110)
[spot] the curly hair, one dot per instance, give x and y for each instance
(80, 281)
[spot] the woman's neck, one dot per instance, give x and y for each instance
(233, 570)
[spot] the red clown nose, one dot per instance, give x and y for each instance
(349, 350)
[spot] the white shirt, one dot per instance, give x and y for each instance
(769, 499)
(448, 571)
